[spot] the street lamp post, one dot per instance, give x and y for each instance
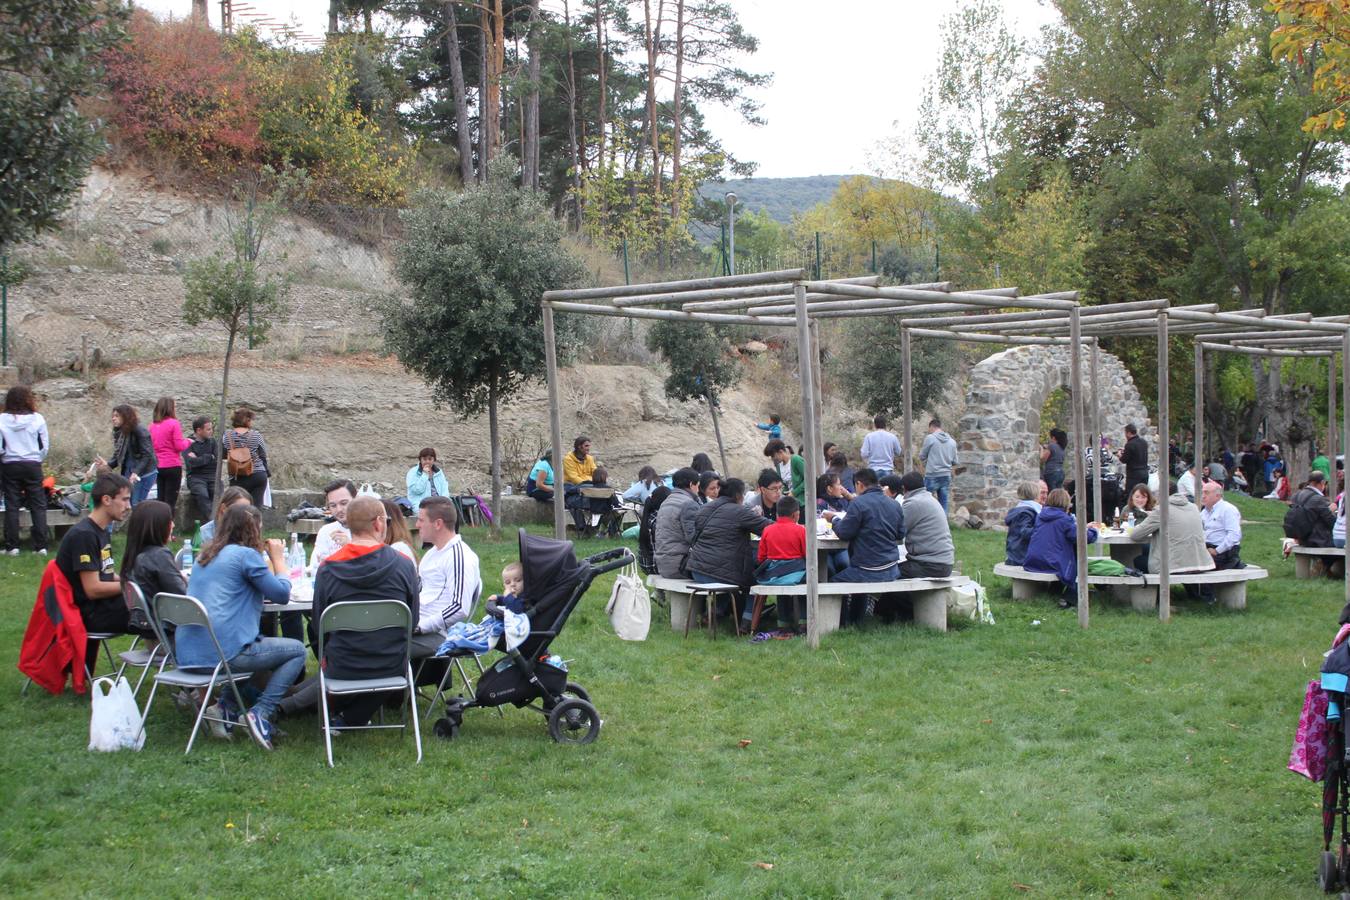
(731, 230)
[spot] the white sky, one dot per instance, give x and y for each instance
(846, 75)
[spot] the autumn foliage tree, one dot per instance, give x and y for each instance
(1317, 32)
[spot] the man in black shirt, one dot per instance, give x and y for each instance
(1135, 457)
(201, 459)
(85, 559)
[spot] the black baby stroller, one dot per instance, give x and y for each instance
(554, 583)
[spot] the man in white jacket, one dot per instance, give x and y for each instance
(332, 536)
(450, 575)
(23, 433)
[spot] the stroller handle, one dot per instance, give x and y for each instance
(621, 557)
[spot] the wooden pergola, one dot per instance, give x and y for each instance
(788, 299)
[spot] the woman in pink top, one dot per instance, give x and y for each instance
(166, 434)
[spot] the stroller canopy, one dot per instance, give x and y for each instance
(552, 573)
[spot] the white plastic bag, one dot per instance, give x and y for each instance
(367, 490)
(969, 601)
(115, 722)
(630, 606)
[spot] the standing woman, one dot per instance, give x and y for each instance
(133, 453)
(166, 436)
(251, 476)
(1052, 458)
(24, 433)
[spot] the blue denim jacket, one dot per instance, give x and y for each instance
(231, 587)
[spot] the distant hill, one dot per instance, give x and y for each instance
(781, 198)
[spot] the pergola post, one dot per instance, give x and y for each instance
(806, 372)
(1095, 362)
(817, 391)
(1331, 414)
(1164, 425)
(1345, 431)
(907, 363)
(1198, 445)
(1080, 484)
(554, 421)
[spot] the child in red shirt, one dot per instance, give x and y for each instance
(782, 560)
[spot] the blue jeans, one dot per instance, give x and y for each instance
(141, 489)
(1338, 542)
(940, 487)
(283, 657)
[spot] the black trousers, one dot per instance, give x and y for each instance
(255, 484)
(23, 484)
(202, 489)
(170, 480)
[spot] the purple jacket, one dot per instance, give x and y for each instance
(1052, 544)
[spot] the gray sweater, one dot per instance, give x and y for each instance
(928, 537)
(673, 533)
(1185, 538)
(938, 454)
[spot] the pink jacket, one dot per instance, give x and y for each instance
(167, 436)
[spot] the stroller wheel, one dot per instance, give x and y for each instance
(445, 728)
(1328, 872)
(575, 690)
(574, 721)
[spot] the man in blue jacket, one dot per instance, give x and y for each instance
(873, 527)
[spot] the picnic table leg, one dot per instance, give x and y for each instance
(689, 616)
(1302, 565)
(756, 611)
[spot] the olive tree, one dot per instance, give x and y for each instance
(475, 263)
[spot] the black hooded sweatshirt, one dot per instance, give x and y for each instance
(363, 574)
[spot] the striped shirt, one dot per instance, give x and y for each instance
(450, 581)
(253, 441)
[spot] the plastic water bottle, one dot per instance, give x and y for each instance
(184, 558)
(295, 558)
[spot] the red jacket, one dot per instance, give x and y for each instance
(54, 641)
(784, 539)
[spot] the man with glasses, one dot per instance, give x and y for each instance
(335, 534)
(765, 502)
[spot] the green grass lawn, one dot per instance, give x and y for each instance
(1027, 758)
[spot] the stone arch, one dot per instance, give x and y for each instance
(999, 428)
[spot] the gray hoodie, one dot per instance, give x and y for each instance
(928, 536)
(938, 454)
(24, 437)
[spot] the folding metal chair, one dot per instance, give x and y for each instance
(180, 610)
(457, 661)
(143, 658)
(103, 637)
(372, 615)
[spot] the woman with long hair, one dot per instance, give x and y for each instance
(166, 436)
(396, 533)
(242, 435)
(23, 432)
(701, 463)
(232, 578)
(1052, 458)
(229, 497)
(133, 454)
(147, 560)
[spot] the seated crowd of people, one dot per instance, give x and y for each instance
(366, 553)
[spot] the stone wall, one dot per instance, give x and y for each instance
(998, 433)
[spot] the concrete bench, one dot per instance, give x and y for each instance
(1306, 557)
(682, 592)
(1230, 585)
(58, 523)
(928, 595)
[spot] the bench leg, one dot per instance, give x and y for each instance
(1232, 595)
(735, 613)
(1022, 589)
(679, 610)
(828, 610)
(689, 617)
(930, 608)
(755, 612)
(1302, 566)
(1143, 597)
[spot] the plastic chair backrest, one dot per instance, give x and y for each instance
(180, 610)
(364, 615)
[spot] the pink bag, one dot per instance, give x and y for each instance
(1309, 755)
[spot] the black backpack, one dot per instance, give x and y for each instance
(1298, 522)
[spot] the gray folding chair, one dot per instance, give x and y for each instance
(457, 662)
(180, 610)
(137, 657)
(372, 615)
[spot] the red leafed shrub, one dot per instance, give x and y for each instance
(178, 87)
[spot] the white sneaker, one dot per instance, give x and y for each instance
(220, 729)
(42, 552)
(14, 552)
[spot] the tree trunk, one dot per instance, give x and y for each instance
(572, 146)
(333, 9)
(600, 50)
(531, 129)
(494, 439)
(653, 40)
(365, 17)
(463, 140)
(220, 418)
(717, 430)
(482, 103)
(199, 12)
(677, 113)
